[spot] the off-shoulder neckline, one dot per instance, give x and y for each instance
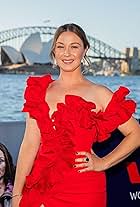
(80, 97)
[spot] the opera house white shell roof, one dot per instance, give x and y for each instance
(32, 51)
(11, 55)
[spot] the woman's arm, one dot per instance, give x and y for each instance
(131, 131)
(130, 143)
(27, 154)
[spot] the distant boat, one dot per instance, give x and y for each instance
(116, 73)
(122, 74)
(100, 72)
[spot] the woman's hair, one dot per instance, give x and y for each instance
(70, 28)
(9, 168)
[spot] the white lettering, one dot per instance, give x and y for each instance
(135, 195)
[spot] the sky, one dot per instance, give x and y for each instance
(116, 22)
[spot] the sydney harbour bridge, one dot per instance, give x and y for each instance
(99, 50)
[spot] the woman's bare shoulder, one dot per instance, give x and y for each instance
(99, 88)
(101, 93)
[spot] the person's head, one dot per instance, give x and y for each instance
(69, 46)
(6, 165)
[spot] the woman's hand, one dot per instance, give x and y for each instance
(89, 162)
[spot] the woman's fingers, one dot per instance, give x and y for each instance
(84, 170)
(83, 159)
(89, 162)
(81, 165)
(83, 153)
(83, 162)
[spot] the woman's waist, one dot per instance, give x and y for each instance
(87, 182)
(74, 174)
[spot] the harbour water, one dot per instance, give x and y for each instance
(12, 88)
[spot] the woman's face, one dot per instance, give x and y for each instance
(2, 164)
(69, 51)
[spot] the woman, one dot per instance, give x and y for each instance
(6, 177)
(56, 166)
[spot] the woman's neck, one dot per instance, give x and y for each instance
(1, 180)
(2, 186)
(70, 78)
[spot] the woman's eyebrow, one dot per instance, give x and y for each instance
(76, 43)
(59, 43)
(71, 43)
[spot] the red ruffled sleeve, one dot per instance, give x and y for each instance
(118, 111)
(35, 95)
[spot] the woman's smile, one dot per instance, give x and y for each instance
(68, 61)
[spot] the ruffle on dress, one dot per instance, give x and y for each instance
(118, 111)
(57, 148)
(35, 96)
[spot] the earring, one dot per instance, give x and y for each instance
(54, 63)
(83, 61)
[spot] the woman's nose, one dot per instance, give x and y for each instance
(67, 51)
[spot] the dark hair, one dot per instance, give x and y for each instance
(10, 169)
(70, 28)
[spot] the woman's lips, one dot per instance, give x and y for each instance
(67, 61)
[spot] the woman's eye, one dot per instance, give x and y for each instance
(2, 160)
(74, 46)
(59, 46)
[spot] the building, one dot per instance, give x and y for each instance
(133, 56)
(32, 51)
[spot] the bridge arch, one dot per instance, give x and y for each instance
(99, 49)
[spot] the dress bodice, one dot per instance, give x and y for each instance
(73, 126)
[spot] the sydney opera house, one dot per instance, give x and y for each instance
(32, 51)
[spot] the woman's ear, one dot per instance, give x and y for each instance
(53, 54)
(85, 52)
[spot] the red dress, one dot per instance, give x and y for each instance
(53, 181)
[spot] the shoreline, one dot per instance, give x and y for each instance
(39, 69)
